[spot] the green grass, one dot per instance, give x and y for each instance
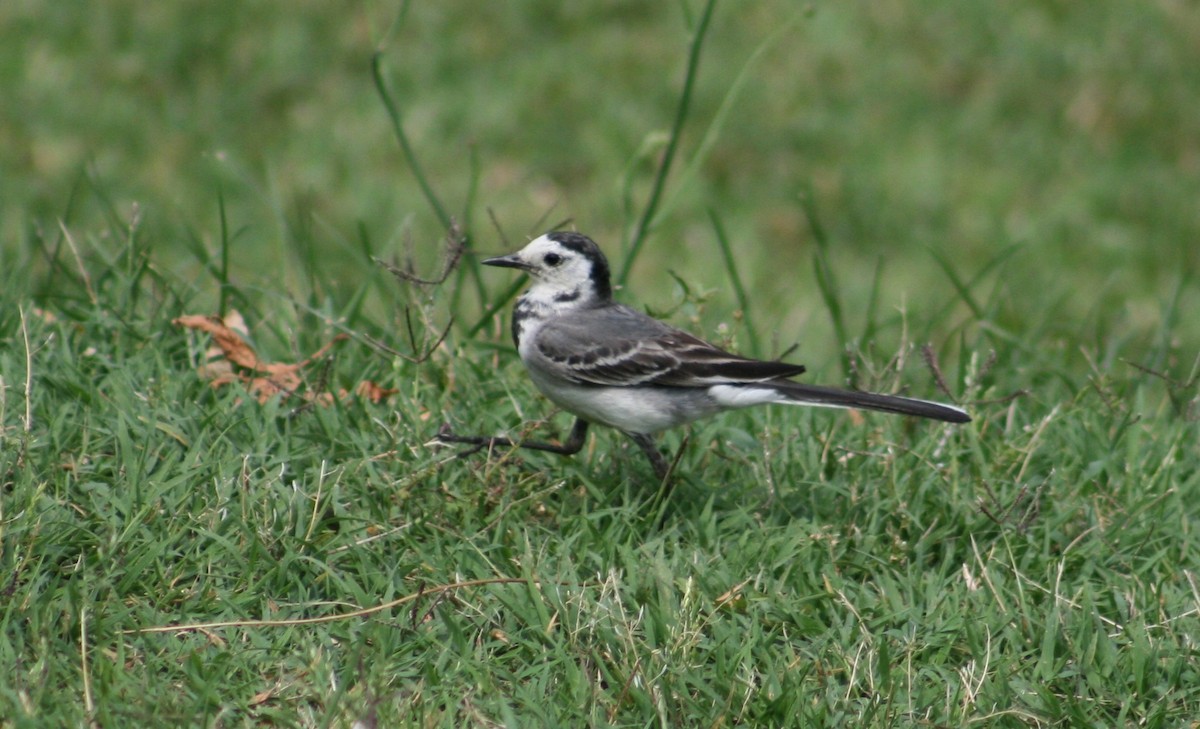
(1015, 186)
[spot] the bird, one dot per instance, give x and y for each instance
(610, 364)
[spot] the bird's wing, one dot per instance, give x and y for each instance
(618, 346)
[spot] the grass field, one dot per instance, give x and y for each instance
(1016, 186)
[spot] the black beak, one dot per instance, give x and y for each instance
(509, 261)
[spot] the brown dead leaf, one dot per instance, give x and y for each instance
(213, 638)
(374, 392)
(46, 316)
(733, 596)
(233, 359)
(229, 342)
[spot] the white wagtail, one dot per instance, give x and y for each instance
(612, 365)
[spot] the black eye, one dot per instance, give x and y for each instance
(552, 259)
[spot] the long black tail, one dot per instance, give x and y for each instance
(836, 398)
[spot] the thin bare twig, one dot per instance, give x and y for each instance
(496, 224)
(89, 703)
(931, 361)
(456, 246)
(612, 710)
(638, 238)
(318, 387)
(362, 613)
(28, 373)
(415, 359)
(1014, 395)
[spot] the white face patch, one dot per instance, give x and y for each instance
(562, 276)
(556, 266)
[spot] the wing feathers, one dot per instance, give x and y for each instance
(671, 358)
(617, 346)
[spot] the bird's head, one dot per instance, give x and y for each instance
(565, 267)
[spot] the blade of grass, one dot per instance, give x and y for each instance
(222, 270)
(472, 268)
(304, 252)
(131, 240)
(646, 150)
(374, 273)
(638, 238)
(734, 279)
(192, 243)
(51, 252)
(826, 281)
(728, 104)
(872, 323)
(103, 196)
(964, 292)
(496, 306)
(964, 288)
(1160, 354)
(410, 155)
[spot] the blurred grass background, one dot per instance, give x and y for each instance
(1068, 130)
(1017, 184)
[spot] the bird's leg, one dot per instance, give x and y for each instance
(570, 447)
(662, 470)
(657, 462)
